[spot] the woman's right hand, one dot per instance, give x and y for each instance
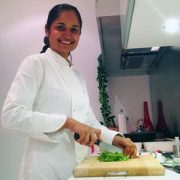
(88, 135)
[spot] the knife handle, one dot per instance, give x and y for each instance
(77, 136)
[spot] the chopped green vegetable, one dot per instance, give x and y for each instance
(108, 156)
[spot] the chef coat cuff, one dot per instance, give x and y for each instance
(57, 122)
(45, 123)
(49, 128)
(108, 135)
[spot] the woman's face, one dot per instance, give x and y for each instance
(64, 33)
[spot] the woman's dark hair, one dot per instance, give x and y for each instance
(53, 15)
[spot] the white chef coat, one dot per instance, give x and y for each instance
(43, 94)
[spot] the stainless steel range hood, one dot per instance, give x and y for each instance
(120, 61)
(121, 53)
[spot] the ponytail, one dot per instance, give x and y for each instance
(46, 46)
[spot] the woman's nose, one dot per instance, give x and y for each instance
(68, 34)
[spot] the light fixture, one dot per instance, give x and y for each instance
(171, 25)
(155, 48)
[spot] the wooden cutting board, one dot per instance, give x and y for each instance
(144, 165)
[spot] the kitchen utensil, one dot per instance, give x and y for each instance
(145, 165)
(102, 146)
(165, 154)
(177, 169)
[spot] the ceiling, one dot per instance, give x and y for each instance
(129, 28)
(147, 23)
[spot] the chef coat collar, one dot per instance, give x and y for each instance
(58, 58)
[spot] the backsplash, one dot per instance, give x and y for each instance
(165, 86)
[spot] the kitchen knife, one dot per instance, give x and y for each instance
(103, 146)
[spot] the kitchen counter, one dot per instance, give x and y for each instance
(168, 175)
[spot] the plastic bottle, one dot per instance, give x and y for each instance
(122, 122)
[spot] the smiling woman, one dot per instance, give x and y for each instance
(63, 30)
(48, 101)
(63, 38)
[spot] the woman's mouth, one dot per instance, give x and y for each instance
(65, 42)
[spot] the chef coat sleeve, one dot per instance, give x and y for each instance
(17, 112)
(106, 134)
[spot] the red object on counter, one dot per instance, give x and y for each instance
(147, 125)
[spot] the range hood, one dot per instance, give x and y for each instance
(125, 50)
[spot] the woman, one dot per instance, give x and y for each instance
(48, 101)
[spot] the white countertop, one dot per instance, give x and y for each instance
(168, 175)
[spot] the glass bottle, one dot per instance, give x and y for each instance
(148, 126)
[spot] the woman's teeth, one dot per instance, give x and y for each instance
(66, 42)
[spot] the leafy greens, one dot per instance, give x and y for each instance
(108, 156)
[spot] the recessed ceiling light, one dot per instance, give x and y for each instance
(171, 25)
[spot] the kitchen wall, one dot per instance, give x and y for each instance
(11, 151)
(165, 86)
(129, 93)
(22, 33)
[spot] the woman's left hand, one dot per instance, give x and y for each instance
(129, 147)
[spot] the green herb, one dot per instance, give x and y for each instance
(108, 156)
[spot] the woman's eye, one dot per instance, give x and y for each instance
(75, 30)
(61, 28)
